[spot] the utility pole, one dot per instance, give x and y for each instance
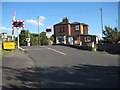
(38, 31)
(116, 24)
(101, 22)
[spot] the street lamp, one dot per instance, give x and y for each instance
(38, 29)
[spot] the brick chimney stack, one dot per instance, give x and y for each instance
(65, 19)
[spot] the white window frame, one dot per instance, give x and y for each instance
(77, 27)
(87, 39)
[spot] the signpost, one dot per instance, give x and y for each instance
(8, 45)
(28, 41)
(48, 32)
(18, 24)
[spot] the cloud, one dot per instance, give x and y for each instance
(35, 22)
(5, 28)
(41, 18)
(32, 22)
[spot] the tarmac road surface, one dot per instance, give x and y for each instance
(63, 67)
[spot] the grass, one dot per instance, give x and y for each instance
(5, 52)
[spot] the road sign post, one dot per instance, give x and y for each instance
(18, 37)
(18, 24)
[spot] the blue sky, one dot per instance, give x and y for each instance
(52, 13)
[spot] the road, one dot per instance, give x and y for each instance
(60, 66)
(60, 56)
(66, 67)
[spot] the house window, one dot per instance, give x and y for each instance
(77, 27)
(88, 39)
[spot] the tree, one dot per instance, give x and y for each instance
(22, 38)
(23, 35)
(111, 35)
(34, 39)
(43, 38)
(52, 38)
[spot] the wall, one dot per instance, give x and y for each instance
(85, 29)
(74, 32)
(58, 30)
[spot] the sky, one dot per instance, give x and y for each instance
(53, 12)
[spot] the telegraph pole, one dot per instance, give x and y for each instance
(101, 22)
(38, 30)
(116, 24)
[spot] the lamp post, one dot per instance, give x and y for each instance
(38, 30)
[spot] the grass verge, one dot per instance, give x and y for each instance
(5, 52)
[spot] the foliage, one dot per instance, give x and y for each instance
(22, 37)
(34, 39)
(52, 38)
(111, 35)
(43, 38)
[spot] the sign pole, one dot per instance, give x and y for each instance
(18, 38)
(38, 31)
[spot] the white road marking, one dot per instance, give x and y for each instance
(44, 49)
(57, 51)
(37, 49)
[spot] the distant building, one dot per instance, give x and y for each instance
(75, 33)
(4, 36)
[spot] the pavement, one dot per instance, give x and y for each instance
(13, 66)
(59, 67)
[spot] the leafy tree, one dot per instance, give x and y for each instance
(22, 37)
(52, 38)
(111, 35)
(34, 39)
(43, 38)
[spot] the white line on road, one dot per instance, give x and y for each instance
(57, 51)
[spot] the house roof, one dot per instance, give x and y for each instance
(61, 23)
(75, 23)
(84, 24)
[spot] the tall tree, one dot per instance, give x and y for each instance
(23, 35)
(43, 38)
(34, 39)
(22, 38)
(111, 35)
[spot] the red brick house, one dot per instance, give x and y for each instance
(72, 33)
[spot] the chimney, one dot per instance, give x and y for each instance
(65, 19)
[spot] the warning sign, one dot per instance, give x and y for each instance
(9, 45)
